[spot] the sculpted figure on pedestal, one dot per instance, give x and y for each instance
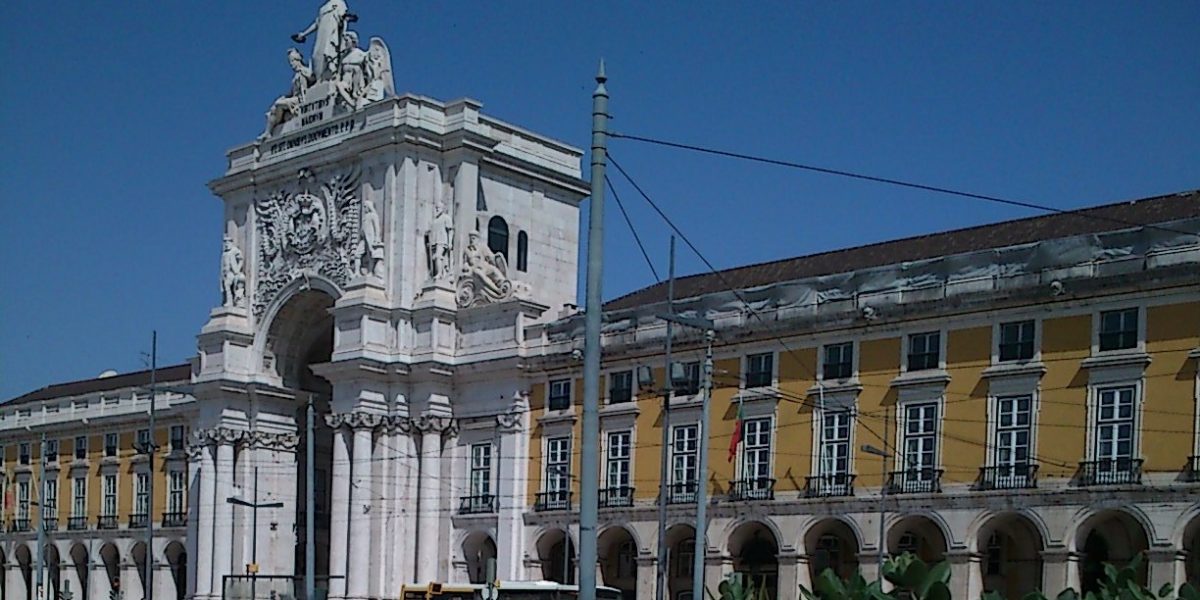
(329, 26)
(352, 70)
(233, 276)
(379, 72)
(372, 240)
(440, 243)
(287, 107)
(484, 276)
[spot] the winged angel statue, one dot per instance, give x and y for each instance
(302, 233)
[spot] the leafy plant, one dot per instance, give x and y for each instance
(1117, 584)
(909, 574)
(737, 586)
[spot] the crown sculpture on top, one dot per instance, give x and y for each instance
(339, 78)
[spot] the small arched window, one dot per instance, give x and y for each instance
(522, 251)
(498, 236)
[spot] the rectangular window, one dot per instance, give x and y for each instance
(1114, 424)
(689, 384)
(920, 441)
(756, 455)
(760, 370)
(839, 361)
(617, 460)
(23, 500)
(924, 351)
(50, 499)
(109, 507)
(1013, 431)
(1016, 341)
(560, 394)
(1119, 329)
(142, 440)
(684, 447)
(52, 451)
(481, 469)
(835, 442)
(176, 489)
(23, 454)
(141, 494)
(81, 447)
(110, 445)
(79, 497)
(177, 438)
(558, 464)
(620, 387)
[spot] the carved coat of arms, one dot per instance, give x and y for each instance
(314, 229)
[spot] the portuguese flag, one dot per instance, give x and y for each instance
(737, 432)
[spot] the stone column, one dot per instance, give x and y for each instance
(1058, 572)
(868, 565)
(966, 574)
(204, 507)
(1161, 562)
(715, 568)
(223, 527)
(385, 546)
(195, 452)
(358, 579)
(789, 577)
(430, 495)
(407, 499)
(98, 583)
(512, 468)
(804, 571)
(131, 580)
(646, 575)
(339, 519)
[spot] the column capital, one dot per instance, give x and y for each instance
(286, 442)
(218, 435)
(396, 423)
(359, 420)
(429, 423)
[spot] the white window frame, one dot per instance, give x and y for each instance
(821, 359)
(176, 491)
(994, 427)
(744, 448)
(1141, 330)
(570, 383)
(116, 445)
(141, 494)
(632, 385)
(902, 447)
(774, 378)
(551, 465)
(819, 455)
(906, 340)
(480, 469)
(49, 497)
(618, 455)
(1094, 418)
(997, 332)
(79, 496)
(111, 489)
(182, 438)
(676, 453)
(23, 499)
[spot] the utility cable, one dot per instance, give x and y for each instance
(895, 182)
(613, 190)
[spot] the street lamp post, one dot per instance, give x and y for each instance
(253, 506)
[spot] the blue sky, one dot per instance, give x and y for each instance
(115, 116)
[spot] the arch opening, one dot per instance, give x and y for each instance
(681, 552)
(918, 535)
(478, 550)
(53, 581)
(1011, 549)
(79, 562)
(755, 550)
(112, 564)
(617, 552)
(832, 544)
(1111, 536)
(556, 552)
(497, 239)
(176, 556)
(1191, 547)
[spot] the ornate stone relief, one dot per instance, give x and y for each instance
(511, 420)
(484, 278)
(362, 420)
(305, 231)
(233, 275)
(218, 435)
(446, 426)
(284, 442)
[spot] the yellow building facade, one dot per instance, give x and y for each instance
(1026, 410)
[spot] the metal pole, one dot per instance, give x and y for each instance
(254, 537)
(589, 487)
(887, 416)
(149, 591)
(660, 581)
(310, 560)
(41, 538)
(702, 489)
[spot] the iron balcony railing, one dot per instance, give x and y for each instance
(616, 497)
(915, 481)
(831, 484)
(482, 504)
(77, 523)
(560, 500)
(19, 526)
(1193, 468)
(1017, 476)
(138, 520)
(683, 492)
(174, 519)
(760, 488)
(106, 522)
(1111, 471)
(50, 523)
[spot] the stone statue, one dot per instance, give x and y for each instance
(352, 71)
(233, 277)
(372, 239)
(484, 277)
(379, 73)
(440, 243)
(287, 107)
(329, 26)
